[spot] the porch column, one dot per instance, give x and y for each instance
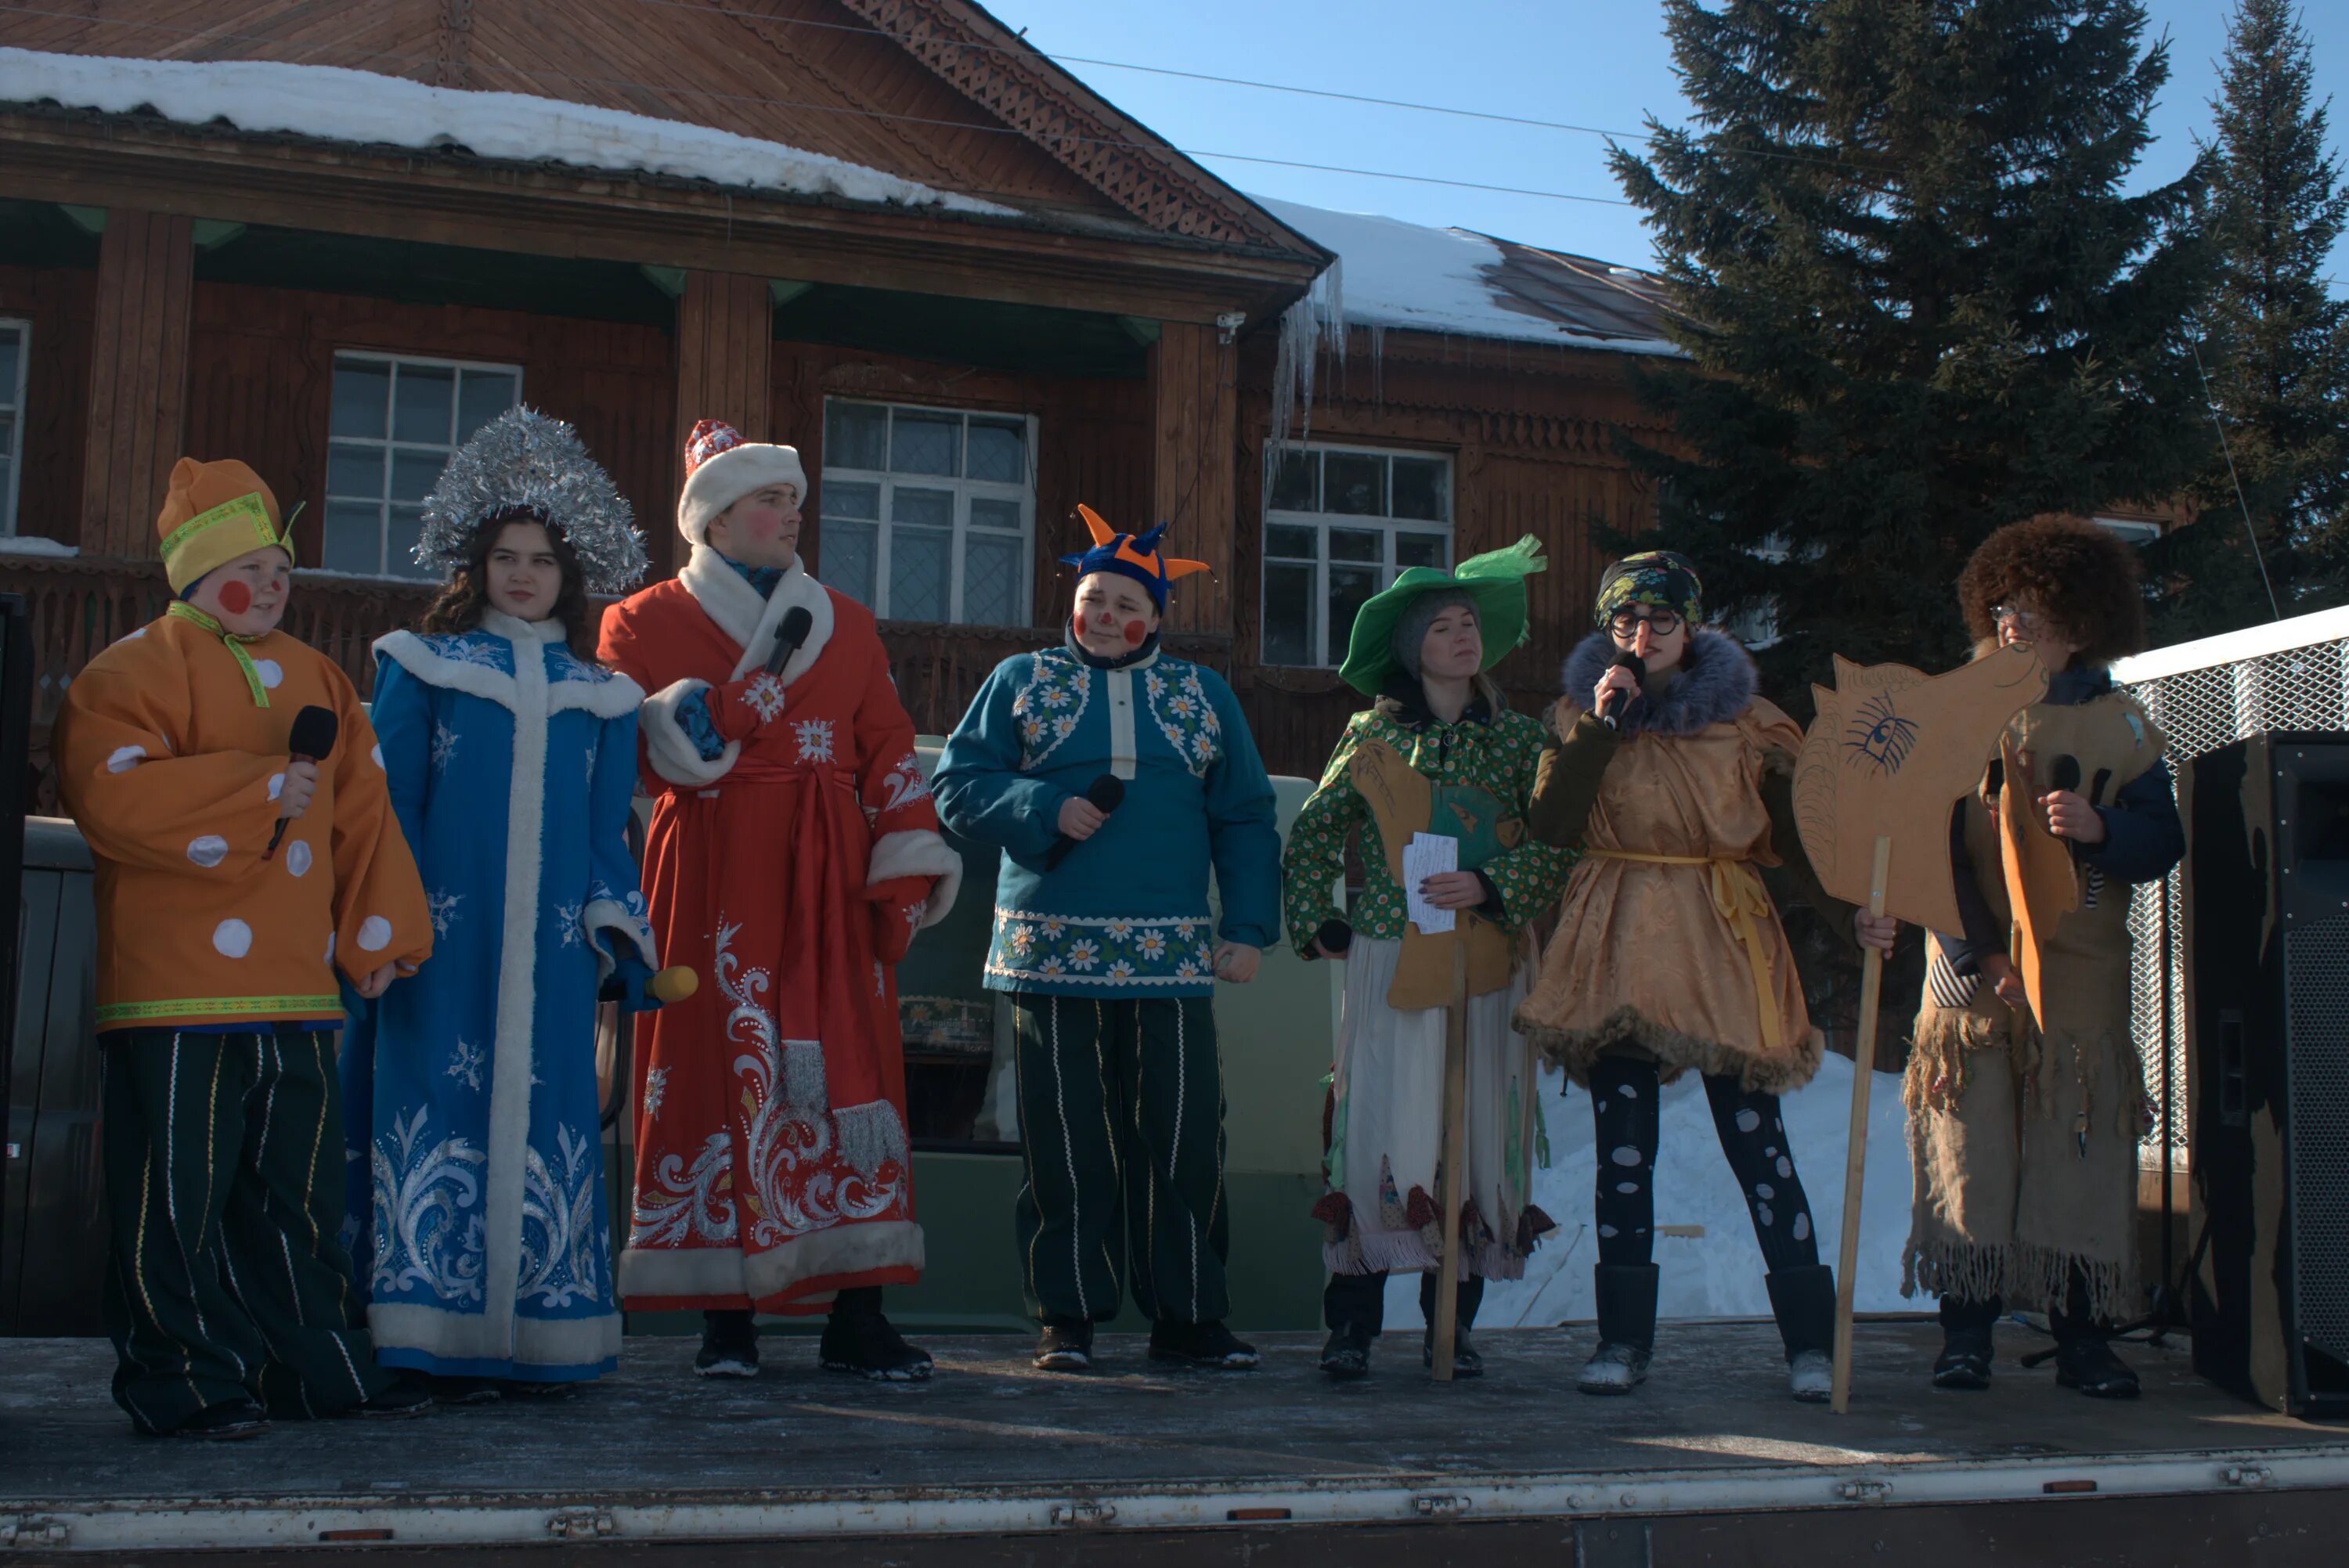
(724, 353)
(138, 380)
(1194, 414)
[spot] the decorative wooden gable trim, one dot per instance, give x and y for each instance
(1115, 155)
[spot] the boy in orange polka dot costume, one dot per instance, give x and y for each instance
(228, 1295)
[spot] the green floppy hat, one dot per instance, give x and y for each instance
(1494, 582)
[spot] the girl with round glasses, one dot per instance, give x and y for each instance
(1672, 774)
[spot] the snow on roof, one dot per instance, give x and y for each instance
(339, 105)
(1398, 274)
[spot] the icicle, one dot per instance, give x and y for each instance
(1378, 363)
(1306, 328)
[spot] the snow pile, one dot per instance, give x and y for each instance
(1719, 1273)
(33, 545)
(1401, 274)
(339, 105)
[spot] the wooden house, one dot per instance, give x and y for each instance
(331, 239)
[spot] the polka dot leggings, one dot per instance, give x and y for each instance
(1623, 1102)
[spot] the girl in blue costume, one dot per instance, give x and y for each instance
(477, 1188)
(1102, 938)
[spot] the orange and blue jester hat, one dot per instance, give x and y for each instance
(1134, 555)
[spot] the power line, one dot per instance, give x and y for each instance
(963, 126)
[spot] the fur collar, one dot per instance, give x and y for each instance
(1716, 683)
(728, 598)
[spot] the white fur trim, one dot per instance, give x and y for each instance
(604, 698)
(690, 1272)
(606, 915)
(919, 852)
(730, 476)
(412, 654)
(727, 598)
(670, 750)
(465, 1336)
(510, 1066)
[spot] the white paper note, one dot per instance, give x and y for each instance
(1426, 855)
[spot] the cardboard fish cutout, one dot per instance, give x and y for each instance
(1890, 752)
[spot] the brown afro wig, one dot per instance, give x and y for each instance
(2081, 576)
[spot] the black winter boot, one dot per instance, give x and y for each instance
(729, 1345)
(1066, 1344)
(857, 1338)
(1208, 1345)
(1626, 1328)
(1468, 1295)
(2085, 1358)
(1803, 1300)
(1966, 1355)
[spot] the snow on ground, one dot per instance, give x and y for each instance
(1719, 1273)
(33, 545)
(362, 106)
(1398, 274)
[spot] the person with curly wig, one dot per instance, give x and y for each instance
(2023, 1133)
(1670, 772)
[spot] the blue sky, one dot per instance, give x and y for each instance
(1596, 63)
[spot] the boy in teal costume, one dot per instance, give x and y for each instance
(1104, 941)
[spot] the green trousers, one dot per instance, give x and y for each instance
(1121, 1125)
(225, 1278)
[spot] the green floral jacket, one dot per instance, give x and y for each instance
(1499, 755)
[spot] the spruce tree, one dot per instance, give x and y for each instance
(1916, 302)
(2276, 345)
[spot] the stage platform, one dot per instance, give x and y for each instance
(992, 1461)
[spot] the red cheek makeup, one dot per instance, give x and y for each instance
(235, 597)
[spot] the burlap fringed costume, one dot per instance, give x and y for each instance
(2023, 1140)
(2023, 1136)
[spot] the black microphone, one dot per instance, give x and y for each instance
(797, 624)
(1105, 792)
(2065, 774)
(1335, 936)
(312, 739)
(1610, 711)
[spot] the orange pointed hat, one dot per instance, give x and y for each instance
(1134, 555)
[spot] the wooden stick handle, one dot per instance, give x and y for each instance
(1855, 1168)
(1454, 1184)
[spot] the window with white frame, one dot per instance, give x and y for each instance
(929, 513)
(1339, 523)
(393, 423)
(16, 345)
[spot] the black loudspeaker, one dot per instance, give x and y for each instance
(2267, 1000)
(15, 744)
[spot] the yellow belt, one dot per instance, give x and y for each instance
(1739, 897)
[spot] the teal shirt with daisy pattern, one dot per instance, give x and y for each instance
(1125, 913)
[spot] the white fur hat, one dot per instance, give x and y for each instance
(721, 467)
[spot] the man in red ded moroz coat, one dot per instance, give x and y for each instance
(794, 852)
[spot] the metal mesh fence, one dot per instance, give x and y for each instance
(2291, 675)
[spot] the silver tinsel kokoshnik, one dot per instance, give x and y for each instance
(525, 461)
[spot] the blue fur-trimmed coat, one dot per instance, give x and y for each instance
(475, 1182)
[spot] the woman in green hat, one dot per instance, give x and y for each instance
(1437, 752)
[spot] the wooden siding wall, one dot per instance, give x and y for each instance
(1533, 443)
(57, 304)
(1195, 400)
(1092, 441)
(139, 378)
(263, 366)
